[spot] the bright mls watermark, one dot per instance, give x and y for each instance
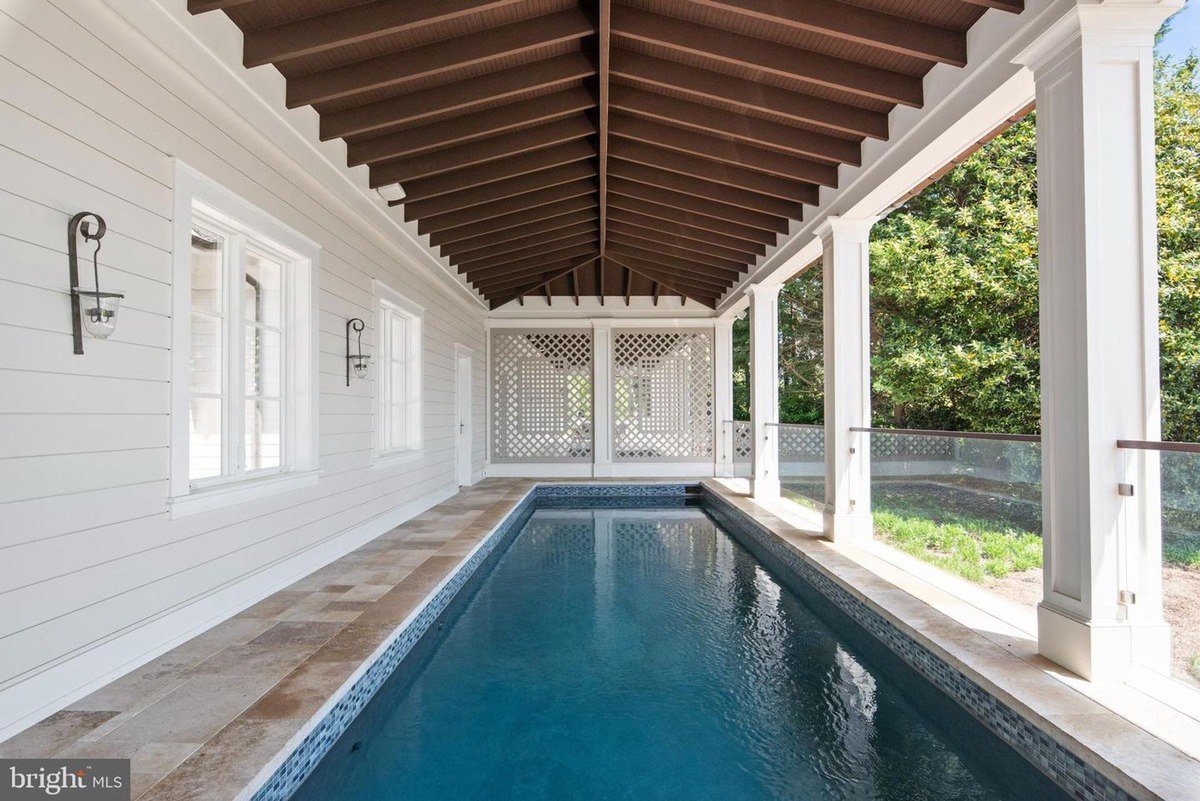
(66, 779)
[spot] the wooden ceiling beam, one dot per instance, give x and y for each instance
(697, 221)
(677, 283)
(736, 154)
(819, 69)
(543, 240)
(679, 277)
(396, 70)
(710, 190)
(517, 281)
(704, 299)
(754, 130)
(855, 24)
(705, 169)
(513, 238)
(501, 190)
(702, 272)
(480, 175)
(501, 229)
(489, 150)
(698, 205)
(574, 266)
(523, 255)
(354, 25)
(652, 243)
(692, 278)
(699, 235)
(490, 275)
(505, 213)
(470, 127)
(456, 98)
(711, 86)
(604, 58)
(620, 226)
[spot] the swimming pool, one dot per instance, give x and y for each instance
(645, 653)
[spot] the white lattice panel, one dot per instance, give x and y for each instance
(662, 395)
(541, 396)
(801, 443)
(743, 440)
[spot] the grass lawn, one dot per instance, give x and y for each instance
(978, 533)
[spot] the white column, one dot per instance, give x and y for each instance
(764, 390)
(1102, 602)
(602, 462)
(723, 396)
(845, 276)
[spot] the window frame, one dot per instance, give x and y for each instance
(204, 203)
(389, 302)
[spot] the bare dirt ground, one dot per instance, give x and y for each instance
(1181, 591)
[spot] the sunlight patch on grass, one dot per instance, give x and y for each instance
(973, 549)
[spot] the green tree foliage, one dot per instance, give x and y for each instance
(954, 294)
(1177, 96)
(954, 290)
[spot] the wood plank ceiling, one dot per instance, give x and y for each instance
(589, 148)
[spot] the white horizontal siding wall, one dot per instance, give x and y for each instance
(94, 575)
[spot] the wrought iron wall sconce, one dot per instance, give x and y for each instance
(91, 309)
(355, 361)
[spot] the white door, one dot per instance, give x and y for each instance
(463, 440)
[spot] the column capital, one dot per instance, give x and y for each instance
(763, 290)
(850, 229)
(1128, 22)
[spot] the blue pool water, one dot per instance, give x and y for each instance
(645, 654)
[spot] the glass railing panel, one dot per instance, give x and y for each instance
(742, 444)
(968, 504)
(802, 464)
(1181, 560)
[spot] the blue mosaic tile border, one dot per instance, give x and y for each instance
(296, 767)
(1079, 779)
(614, 490)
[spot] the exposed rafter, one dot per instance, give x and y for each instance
(397, 70)
(855, 24)
(806, 66)
(355, 25)
(456, 98)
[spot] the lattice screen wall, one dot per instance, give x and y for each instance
(662, 395)
(541, 396)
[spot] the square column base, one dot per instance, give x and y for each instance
(849, 529)
(764, 489)
(1102, 652)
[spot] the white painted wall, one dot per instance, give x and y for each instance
(95, 577)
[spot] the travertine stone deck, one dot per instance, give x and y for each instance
(200, 721)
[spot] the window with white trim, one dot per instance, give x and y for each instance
(398, 422)
(244, 348)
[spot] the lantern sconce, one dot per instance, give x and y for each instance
(91, 309)
(356, 361)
